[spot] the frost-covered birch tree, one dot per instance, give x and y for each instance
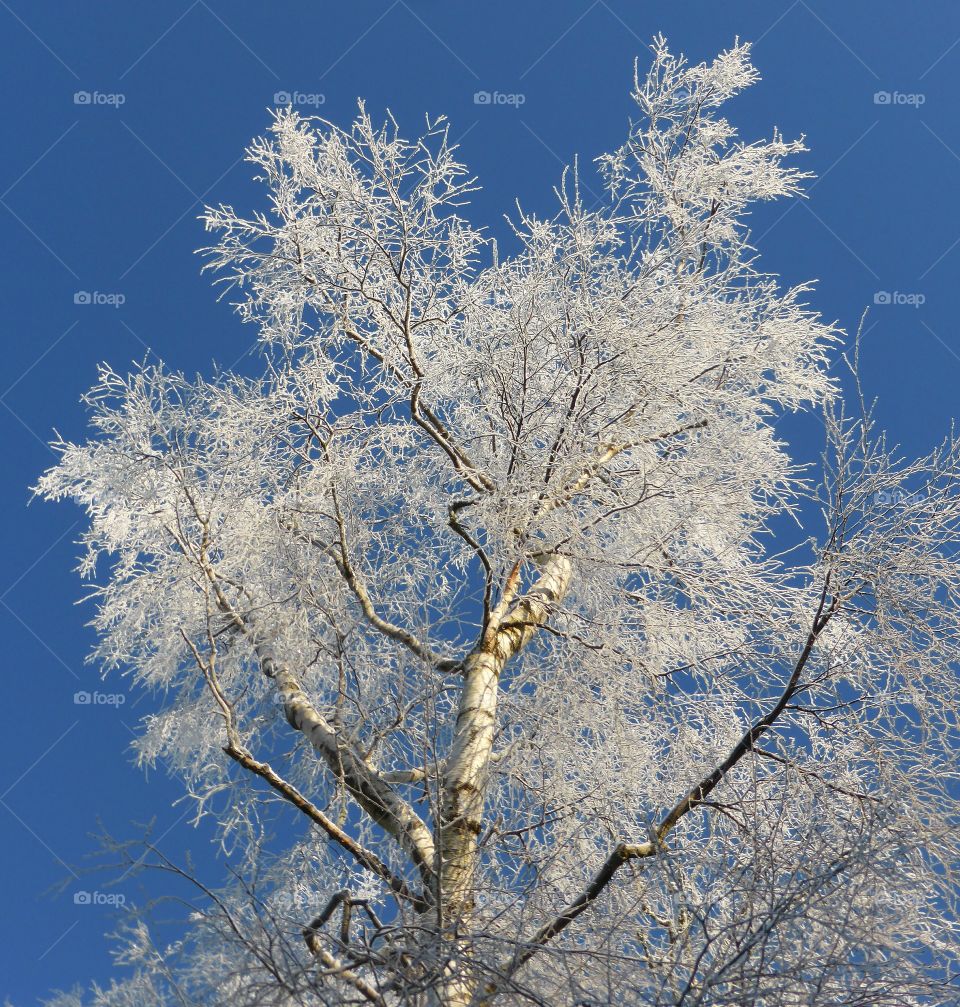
(499, 592)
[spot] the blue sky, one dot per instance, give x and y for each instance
(99, 196)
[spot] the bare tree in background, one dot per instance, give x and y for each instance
(500, 585)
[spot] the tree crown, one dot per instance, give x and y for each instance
(478, 575)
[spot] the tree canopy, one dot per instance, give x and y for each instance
(499, 588)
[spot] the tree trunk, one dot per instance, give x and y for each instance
(467, 769)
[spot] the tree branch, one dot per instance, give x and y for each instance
(695, 797)
(363, 782)
(364, 857)
(243, 757)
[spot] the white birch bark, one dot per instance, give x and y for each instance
(464, 782)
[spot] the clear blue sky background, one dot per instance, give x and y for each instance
(103, 198)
